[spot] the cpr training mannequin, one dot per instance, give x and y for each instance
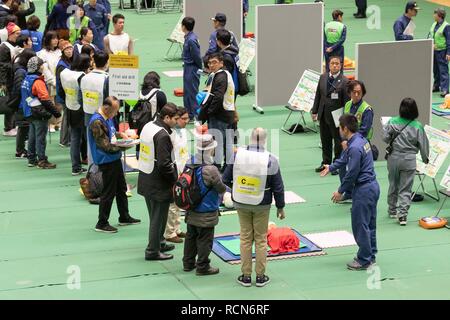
(281, 240)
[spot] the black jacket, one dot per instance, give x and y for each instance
(158, 184)
(323, 104)
(19, 73)
(214, 106)
(22, 16)
(229, 58)
(6, 75)
(4, 11)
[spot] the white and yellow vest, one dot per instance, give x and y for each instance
(69, 82)
(92, 90)
(228, 99)
(147, 147)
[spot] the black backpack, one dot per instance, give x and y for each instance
(141, 113)
(186, 190)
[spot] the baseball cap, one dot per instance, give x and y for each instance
(412, 5)
(221, 17)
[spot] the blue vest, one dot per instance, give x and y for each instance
(98, 155)
(26, 92)
(63, 63)
(210, 202)
(36, 39)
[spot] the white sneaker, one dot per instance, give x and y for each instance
(10, 133)
(52, 130)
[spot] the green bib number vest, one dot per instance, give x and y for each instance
(359, 113)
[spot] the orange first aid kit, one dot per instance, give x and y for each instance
(432, 222)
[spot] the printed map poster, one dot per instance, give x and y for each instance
(304, 94)
(177, 34)
(439, 149)
(446, 180)
(247, 52)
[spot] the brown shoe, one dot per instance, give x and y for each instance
(44, 164)
(175, 240)
(182, 234)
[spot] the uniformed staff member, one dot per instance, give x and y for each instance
(192, 64)
(440, 33)
(360, 179)
(94, 88)
(331, 95)
(99, 16)
(219, 22)
(157, 175)
(245, 8)
(402, 22)
(405, 137)
(362, 7)
(335, 34)
(364, 115)
(256, 178)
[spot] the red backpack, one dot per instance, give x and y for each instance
(186, 190)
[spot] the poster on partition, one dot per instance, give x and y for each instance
(247, 52)
(439, 149)
(304, 94)
(177, 34)
(124, 77)
(445, 183)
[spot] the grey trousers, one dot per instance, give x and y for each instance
(158, 212)
(401, 178)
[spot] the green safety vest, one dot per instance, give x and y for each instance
(359, 113)
(74, 32)
(439, 39)
(50, 5)
(333, 31)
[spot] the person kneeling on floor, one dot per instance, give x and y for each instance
(202, 220)
(256, 178)
(107, 157)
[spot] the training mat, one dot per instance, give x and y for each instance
(333, 239)
(226, 247)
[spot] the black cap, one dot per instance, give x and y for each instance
(412, 5)
(220, 17)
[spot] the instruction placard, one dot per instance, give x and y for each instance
(124, 77)
(439, 149)
(177, 34)
(304, 94)
(247, 52)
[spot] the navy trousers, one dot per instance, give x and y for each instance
(362, 5)
(440, 70)
(364, 220)
(191, 81)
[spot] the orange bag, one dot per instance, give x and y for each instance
(178, 92)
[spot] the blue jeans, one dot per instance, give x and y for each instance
(37, 140)
(223, 134)
(75, 146)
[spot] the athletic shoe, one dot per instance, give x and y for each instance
(261, 281)
(356, 266)
(78, 172)
(44, 164)
(21, 155)
(10, 133)
(129, 221)
(402, 221)
(106, 229)
(32, 163)
(244, 281)
(392, 215)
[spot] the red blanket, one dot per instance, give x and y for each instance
(281, 240)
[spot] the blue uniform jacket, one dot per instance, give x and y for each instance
(191, 50)
(400, 26)
(366, 121)
(58, 17)
(359, 164)
(245, 6)
(98, 15)
(274, 184)
(213, 48)
(338, 44)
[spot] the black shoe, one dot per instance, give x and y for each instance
(32, 163)
(106, 229)
(94, 201)
(417, 198)
(436, 89)
(129, 221)
(22, 155)
(443, 94)
(160, 256)
(360, 16)
(79, 172)
(335, 173)
(320, 169)
(188, 268)
(167, 247)
(402, 221)
(208, 272)
(245, 281)
(261, 281)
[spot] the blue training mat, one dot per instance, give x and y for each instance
(227, 256)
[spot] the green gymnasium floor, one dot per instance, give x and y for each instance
(46, 226)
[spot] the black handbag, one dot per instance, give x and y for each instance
(244, 87)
